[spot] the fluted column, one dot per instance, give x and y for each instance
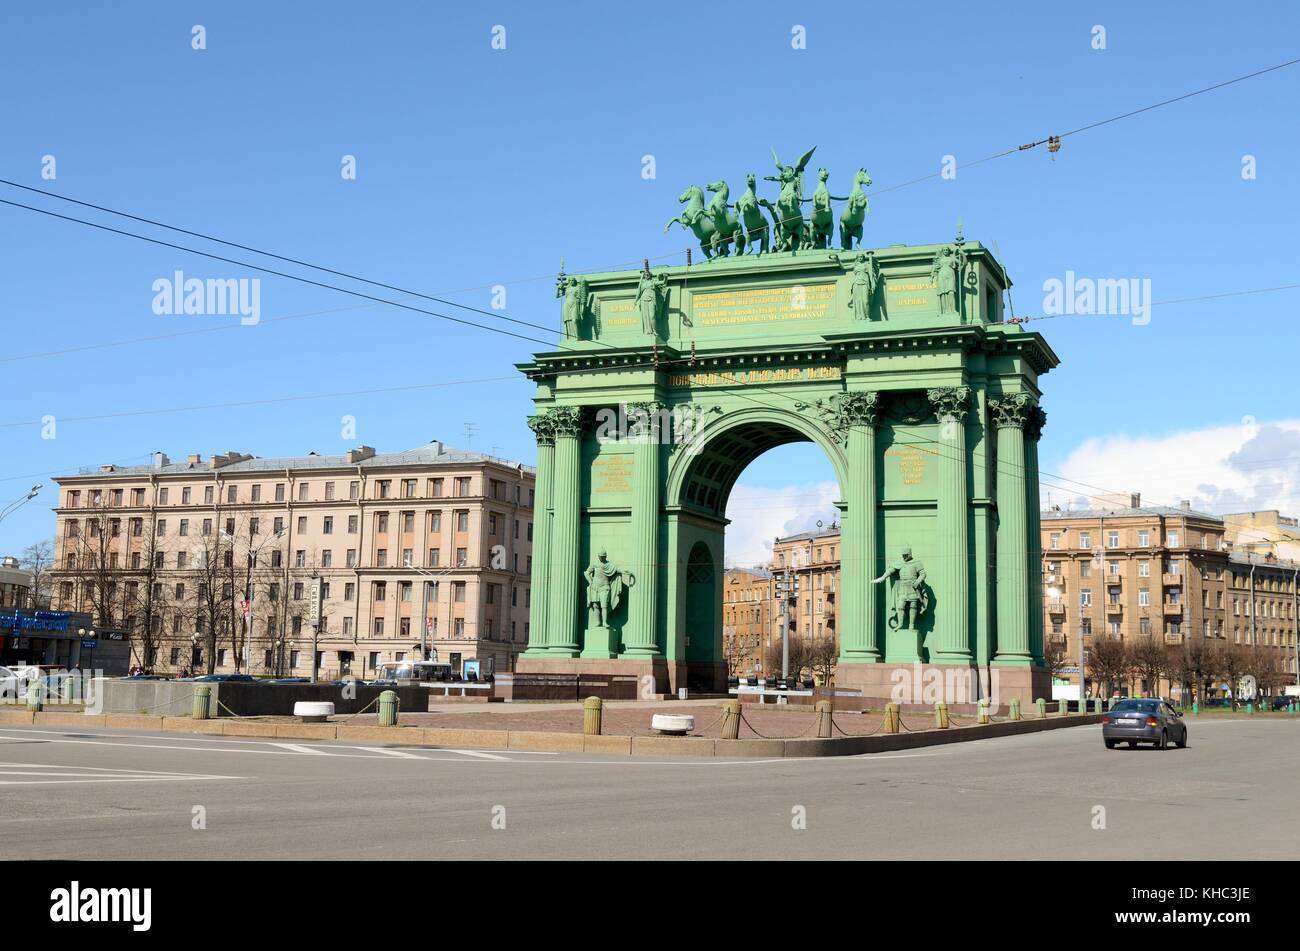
(543, 426)
(639, 635)
(1033, 432)
(859, 633)
(952, 617)
(562, 635)
(1015, 598)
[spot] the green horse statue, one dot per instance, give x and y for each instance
(714, 226)
(855, 212)
(754, 229)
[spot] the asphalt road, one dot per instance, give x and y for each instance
(118, 795)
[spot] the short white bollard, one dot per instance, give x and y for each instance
(672, 724)
(313, 711)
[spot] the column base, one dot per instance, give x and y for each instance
(1014, 660)
(860, 657)
(562, 650)
(924, 684)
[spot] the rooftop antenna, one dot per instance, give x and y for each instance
(470, 430)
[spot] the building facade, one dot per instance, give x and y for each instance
(749, 625)
(211, 564)
(1168, 573)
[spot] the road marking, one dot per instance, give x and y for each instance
(48, 774)
(295, 748)
(480, 755)
(387, 752)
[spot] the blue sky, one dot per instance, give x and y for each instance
(478, 167)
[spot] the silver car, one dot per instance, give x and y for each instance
(1144, 721)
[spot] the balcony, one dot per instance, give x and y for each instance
(1114, 608)
(1056, 607)
(1175, 609)
(1114, 580)
(1172, 581)
(1173, 638)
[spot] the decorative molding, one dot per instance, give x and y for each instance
(1011, 411)
(951, 403)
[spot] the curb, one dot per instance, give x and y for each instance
(536, 741)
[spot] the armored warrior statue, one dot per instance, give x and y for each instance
(605, 584)
(907, 591)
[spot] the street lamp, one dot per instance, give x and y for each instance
(17, 503)
(424, 606)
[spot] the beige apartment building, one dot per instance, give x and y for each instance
(1168, 573)
(812, 561)
(212, 563)
(749, 620)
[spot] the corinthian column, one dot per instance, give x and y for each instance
(1015, 597)
(1033, 432)
(543, 426)
(859, 635)
(952, 617)
(639, 635)
(562, 629)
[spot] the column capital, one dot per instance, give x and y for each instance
(842, 412)
(1012, 411)
(1036, 421)
(951, 403)
(567, 421)
(543, 427)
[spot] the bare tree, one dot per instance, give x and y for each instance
(147, 596)
(799, 656)
(1108, 662)
(1265, 666)
(822, 658)
(1233, 664)
(1148, 661)
(92, 564)
(38, 558)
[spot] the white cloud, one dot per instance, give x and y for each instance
(760, 514)
(1247, 467)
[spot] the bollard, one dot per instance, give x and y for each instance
(892, 718)
(1015, 708)
(388, 707)
(941, 715)
(1196, 709)
(1062, 707)
(35, 695)
(982, 715)
(1111, 703)
(1096, 704)
(1041, 706)
(202, 693)
(1250, 708)
(822, 708)
(591, 713)
(731, 720)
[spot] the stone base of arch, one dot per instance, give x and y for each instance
(655, 677)
(924, 684)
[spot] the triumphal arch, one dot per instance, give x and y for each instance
(898, 361)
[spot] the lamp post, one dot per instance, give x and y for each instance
(18, 503)
(424, 606)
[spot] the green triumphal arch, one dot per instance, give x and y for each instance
(898, 362)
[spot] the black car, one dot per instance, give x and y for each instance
(225, 679)
(1143, 721)
(1283, 703)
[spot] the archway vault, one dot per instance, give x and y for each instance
(702, 475)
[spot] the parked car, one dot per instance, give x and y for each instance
(225, 679)
(1283, 703)
(13, 682)
(288, 680)
(1143, 721)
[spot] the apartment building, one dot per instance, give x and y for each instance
(811, 562)
(1165, 572)
(211, 564)
(750, 624)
